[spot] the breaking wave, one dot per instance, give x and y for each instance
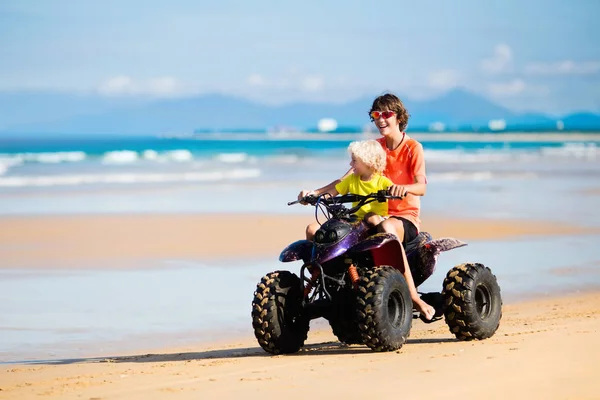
(127, 178)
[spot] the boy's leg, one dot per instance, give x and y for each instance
(311, 230)
(373, 219)
(395, 226)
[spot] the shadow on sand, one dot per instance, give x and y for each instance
(314, 349)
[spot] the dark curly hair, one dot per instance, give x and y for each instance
(391, 102)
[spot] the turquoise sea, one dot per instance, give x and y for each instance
(114, 174)
(58, 314)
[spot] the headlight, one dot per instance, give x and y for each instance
(332, 236)
(332, 231)
(319, 236)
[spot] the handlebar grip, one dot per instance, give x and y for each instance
(384, 195)
(310, 199)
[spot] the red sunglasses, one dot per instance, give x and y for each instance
(384, 114)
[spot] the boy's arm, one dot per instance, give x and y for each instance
(330, 188)
(419, 188)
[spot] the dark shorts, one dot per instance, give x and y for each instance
(410, 230)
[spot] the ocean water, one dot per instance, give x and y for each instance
(53, 315)
(109, 174)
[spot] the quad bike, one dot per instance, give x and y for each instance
(352, 276)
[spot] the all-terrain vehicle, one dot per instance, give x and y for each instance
(352, 276)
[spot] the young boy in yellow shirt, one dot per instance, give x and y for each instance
(368, 162)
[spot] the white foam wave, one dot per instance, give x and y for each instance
(120, 157)
(46, 157)
(117, 178)
(477, 176)
(231, 157)
(568, 150)
(112, 157)
(150, 155)
(454, 156)
(168, 156)
(179, 155)
(577, 150)
(7, 162)
(285, 159)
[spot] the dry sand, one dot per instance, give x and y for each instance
(544, 349)
(112, 241)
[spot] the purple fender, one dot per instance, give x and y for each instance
(424, 259)
(299, 250)
(385, 249)
(444, 244)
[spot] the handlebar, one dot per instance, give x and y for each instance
(381, 196)
(335, 204)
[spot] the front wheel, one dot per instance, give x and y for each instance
(473, 304)
(277, 317)
(384, 309)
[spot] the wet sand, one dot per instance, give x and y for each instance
(115, 240)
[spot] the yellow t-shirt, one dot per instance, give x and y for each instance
(352, 184)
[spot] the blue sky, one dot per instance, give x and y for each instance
(528, 55)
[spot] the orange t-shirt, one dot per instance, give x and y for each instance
(402, 166)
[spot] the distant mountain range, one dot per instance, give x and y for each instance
(47, 113)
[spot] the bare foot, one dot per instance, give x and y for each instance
(425, 309)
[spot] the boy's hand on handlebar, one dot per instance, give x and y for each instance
(397, 191)
(304, 194)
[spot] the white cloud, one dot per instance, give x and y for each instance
(566, 67)
(501, 61)
(312, 83)
(306, 83)
(256, 80)
(443, 79)
(515, 87)
(123, 85)
(117, 85)
(164, 86)
(509, 88)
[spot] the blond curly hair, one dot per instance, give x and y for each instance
(370, 152)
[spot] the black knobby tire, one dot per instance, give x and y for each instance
(276, 313)
(384, 308)
(342, 317)
(472, 301)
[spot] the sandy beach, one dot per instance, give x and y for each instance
(107, 241)
(544, 349)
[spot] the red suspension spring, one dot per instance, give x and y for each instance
(314, 274)
(353, 274)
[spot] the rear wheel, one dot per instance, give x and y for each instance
(473, 303)
(277, 317)
(384, 309)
